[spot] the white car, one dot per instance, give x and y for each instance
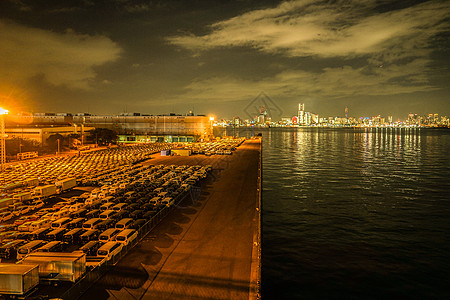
(25, 226)
(5, 216)
(38, 204)
(21, 210)
(75, 207)
(168, 201)
(47, 216)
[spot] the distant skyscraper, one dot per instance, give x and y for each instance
(301, 114)
(435, 118)
(346, 112)
(262, 118)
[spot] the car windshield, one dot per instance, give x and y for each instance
(120, 238)
(102, 252)
(103, 238)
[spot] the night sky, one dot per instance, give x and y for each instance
(157, 57)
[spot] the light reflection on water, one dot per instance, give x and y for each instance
(355, 213)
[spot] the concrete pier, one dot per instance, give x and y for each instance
(204, 249)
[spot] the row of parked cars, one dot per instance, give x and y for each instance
(122, 198)
(100, 222)
(222, 147)
(91, 168)
(89, 164)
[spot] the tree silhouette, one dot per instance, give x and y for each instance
(103, 136)
(73, 139)
(16, 145)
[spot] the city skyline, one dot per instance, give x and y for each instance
(346, 112)
(306, 118)
(208, 56)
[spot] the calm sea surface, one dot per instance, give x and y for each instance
(355, 214)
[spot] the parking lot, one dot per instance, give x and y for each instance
(117, 198)
(204, 248)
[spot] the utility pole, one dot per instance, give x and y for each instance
(3, 112)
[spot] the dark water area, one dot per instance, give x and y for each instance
(355, 213)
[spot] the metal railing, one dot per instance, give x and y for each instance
(259, 224)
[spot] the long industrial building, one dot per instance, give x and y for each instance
(131, 127)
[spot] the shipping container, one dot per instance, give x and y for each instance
(18, 279)
(165, 153)
(31, 182)
(58, 266)
(66, 184)
(181, 152)
(6, 202)
(22, 197)
(45, 191)
(12, 186)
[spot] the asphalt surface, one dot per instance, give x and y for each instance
(203, 248)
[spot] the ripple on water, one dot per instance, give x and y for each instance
(355, 214)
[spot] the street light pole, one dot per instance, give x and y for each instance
(3, 112)
(211, 128)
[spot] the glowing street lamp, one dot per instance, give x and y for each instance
(211, 121)
(2, 138)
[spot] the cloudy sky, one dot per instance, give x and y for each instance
(113, 56)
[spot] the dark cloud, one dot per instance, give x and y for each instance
(62, 59)
(162, 56)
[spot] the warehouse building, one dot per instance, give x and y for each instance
(130, 127)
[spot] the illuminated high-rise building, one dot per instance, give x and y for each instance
(301, 114)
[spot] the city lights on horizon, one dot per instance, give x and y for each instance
(308, 119)
(301, 118)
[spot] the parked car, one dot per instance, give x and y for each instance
(21, 210)
(25, 226)
(137, 214)
(5, 216)
(92, 214)
(105, 224)
(89, 235)
(24, 219)
(138, 223)
(76, 223)
(79, 213)
(149, 214)
(60, 205)
(9, 250)
(38, 204)
(90, 248)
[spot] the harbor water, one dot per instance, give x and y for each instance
(355, 213)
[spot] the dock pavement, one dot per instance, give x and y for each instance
(207, 247)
